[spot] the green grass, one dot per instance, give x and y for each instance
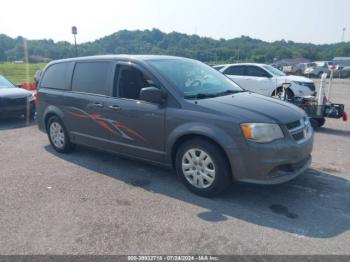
(20, 73)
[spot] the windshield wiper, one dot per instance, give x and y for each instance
(229, 92)
(210, 95)
(200, 96)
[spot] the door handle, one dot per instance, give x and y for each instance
(115, 107)
(99, 105)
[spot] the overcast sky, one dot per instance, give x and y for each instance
(316, 21)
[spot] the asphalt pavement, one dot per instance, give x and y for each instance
(90, 202)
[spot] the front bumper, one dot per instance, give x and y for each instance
(273, 163)
(301, 91)
(16, 110)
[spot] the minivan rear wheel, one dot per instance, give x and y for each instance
(203, 167)
(58, 135)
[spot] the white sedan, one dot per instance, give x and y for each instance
(266, 80)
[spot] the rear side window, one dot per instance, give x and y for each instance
(91, 77)
(235, 70)
(256, 71)
(56, 76)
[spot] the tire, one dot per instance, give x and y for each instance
(290, 94)
(321, 121)
(207, 177)
(58, 135)
(316, 123)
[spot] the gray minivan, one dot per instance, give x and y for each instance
(176, 112)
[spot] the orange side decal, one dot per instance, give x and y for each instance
(102, 122)
(106, 126)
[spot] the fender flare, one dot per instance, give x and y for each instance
(52, 110)
(214, 133)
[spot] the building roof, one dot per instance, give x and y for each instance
(346, 58)
(291, 61)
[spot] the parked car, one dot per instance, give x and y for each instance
(317, 69)
(13, 100)
(175, 112)
(342, 72)
(331, 65)
(299, 69)
(267, 80)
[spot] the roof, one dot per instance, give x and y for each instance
(254, 64)
(121, 57)
(346, 58)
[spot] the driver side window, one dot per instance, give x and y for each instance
(129, 81)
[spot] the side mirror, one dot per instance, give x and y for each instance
(152, 94)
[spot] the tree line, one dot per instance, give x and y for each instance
(154, 41)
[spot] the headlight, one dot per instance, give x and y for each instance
(261, 132)
(300, 83)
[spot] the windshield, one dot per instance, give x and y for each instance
(4, 83)
(274, 71)
(195, 79)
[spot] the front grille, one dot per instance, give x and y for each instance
(299, 136)
(300, 129)
(13, 101)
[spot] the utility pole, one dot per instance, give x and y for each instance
(75, 32)
(343, 35)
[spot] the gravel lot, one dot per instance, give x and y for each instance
(90, 202)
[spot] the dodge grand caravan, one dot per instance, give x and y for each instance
(175, 112)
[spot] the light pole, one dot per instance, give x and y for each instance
(343, 35)
(75, 32)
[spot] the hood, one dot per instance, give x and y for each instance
(294, 78)
(14, 92)
(255, 108)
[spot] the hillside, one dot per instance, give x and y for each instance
(156, 42)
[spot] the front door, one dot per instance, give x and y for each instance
(136, 127)
(259, 81)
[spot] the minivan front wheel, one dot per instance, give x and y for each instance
(202, 167)
(58, 135)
